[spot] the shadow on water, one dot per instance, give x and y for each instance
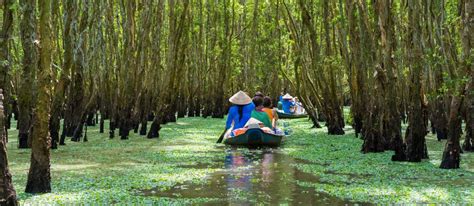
(253, 176)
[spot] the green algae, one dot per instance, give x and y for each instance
(107, 171)
(347, 173)
(104, 171)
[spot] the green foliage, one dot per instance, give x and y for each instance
(349, 118)
(14, 6)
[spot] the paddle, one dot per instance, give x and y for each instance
(221, 137)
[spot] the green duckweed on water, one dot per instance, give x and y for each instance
(114, 171)
(109, 171)
(347, 173)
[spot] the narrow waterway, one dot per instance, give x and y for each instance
(251, 176)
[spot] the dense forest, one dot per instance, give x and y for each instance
(132, 66)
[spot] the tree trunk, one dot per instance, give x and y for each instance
(181, 106)
(451, 155)
(388, 79)
(143, 127)
(7, 192)
(112, 126)
(440, 119)
(331, 103)
(224, 63)
(468, 41)
(333, 111)
(90, 121)
(370, 80)
(101, 123)
(435, 43)
(39, 177)
(468, 145)
(77, 39)
(417, 117)
(355, 69)
(372, 129)
(30, 61)
(5, 58)
(155, 128)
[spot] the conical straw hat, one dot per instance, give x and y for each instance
(240, 98)
(253, 123)
(287, 96)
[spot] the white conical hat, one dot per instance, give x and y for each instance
(240, 98)
(253, 123)
(287, 96)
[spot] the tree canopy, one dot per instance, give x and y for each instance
(65, 64)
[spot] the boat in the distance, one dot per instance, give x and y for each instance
(282, 115)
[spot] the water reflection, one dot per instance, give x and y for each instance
(249, 174)
(239, 180)
(267, 176)
(252, 177)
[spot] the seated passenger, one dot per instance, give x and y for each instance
(259, 114)
(299, 109)
(258, 94)
(240, 111)
(288, 104)
(280, 100)
(268, 108)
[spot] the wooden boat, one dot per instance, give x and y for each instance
(282, 115)
(255, 137)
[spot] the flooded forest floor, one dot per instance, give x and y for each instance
(185, 166)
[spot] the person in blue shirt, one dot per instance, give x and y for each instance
(287, 103)
(280, 102)
(240, 111)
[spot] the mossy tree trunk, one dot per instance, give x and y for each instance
(372, 83)
(77, 99)
(7, 191)
(30, 63)
(64, 80)
(39, 176)
(392, 131)
(417, 117)
(468, 41)
(468, 144)
(5, 57)
(355, 68)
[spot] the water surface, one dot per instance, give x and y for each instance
(251, 176)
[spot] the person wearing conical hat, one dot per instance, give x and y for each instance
(287, 103)
(240, 111)
(287, 96)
